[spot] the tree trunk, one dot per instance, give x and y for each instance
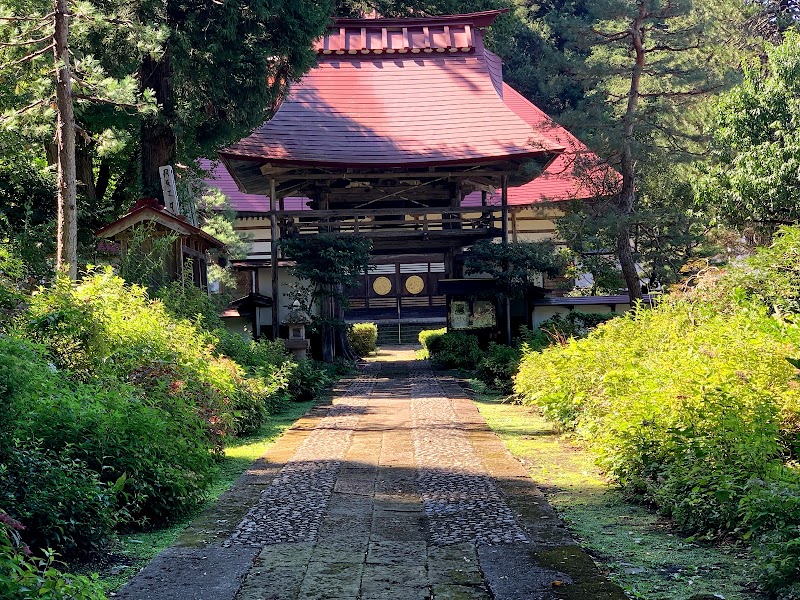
(158, 143)
(627, 196)
(66, 186)
(342, 345)
(103, 179)
(84, 167)
(328, 341)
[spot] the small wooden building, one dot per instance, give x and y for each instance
(192, 250)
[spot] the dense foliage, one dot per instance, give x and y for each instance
(753, 179)
(112, 408)
(428, 335)
(363, 338)
(328, 264)
(694, 406)
(454, 350)
(516, 266)
(27, 577)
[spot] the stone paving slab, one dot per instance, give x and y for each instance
(398, 489)
(191, 574)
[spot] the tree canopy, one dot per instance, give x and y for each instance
(754, 179)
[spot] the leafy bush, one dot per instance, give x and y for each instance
(102, 329)
(363, 338)
(251, 354)
(694, 407)
(61, 500)
(428, 335)
(306, 380)
(25, 577)
(455, 350)
(558, 328)
(120, 407)
(158, 454)
(498, 368)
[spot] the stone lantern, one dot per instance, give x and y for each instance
(296, 321)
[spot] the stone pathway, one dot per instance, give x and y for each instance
(397, 490)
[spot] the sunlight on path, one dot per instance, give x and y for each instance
(396, 490)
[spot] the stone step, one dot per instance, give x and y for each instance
(408, 334)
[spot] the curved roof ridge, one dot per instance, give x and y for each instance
(447, 33)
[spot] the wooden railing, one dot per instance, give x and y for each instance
(389, 221)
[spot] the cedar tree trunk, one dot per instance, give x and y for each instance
(157, 135)
(66, 186)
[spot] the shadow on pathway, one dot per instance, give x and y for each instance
(396, 490)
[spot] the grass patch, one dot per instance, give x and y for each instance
(132, 551)
(633, 545)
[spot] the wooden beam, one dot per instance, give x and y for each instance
(386, 212)
(273, 225)
(284, 175)
(504, 204)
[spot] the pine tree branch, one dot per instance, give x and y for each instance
(25, 43)
(683, 94)
(24, 109)
(29, 19)
(109, 20)
(106, 101)
(28, 58)
(610, 38)
(668, 48)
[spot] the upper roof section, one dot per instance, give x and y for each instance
(451, 33)
(369, 109)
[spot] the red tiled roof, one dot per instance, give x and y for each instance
(575, 174)
(243, 203)
(369, 110)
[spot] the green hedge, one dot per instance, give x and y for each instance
(694, 406)
(455, 350)
(363, 338)
(428, 335)
(112, 409)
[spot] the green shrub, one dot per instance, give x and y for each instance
(251, 354)
(26, 577)
(153, 424)
(103, 330)
(693, 406)
(306, 380)
(498, 368)
(151, 437)
(455, 350)
(427, 335)
(559, 328)
(61, 500)
(771, 516)
(121, 406)
(363, 338)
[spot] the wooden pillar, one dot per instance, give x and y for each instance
(273, 247)
(514, 226)
(504, 203)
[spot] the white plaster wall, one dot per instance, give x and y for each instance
(238, 325)
(285, 282)
(540, 314)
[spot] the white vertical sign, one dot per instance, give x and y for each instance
(169, 189)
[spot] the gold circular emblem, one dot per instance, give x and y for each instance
(415, 284)
(382, 285)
